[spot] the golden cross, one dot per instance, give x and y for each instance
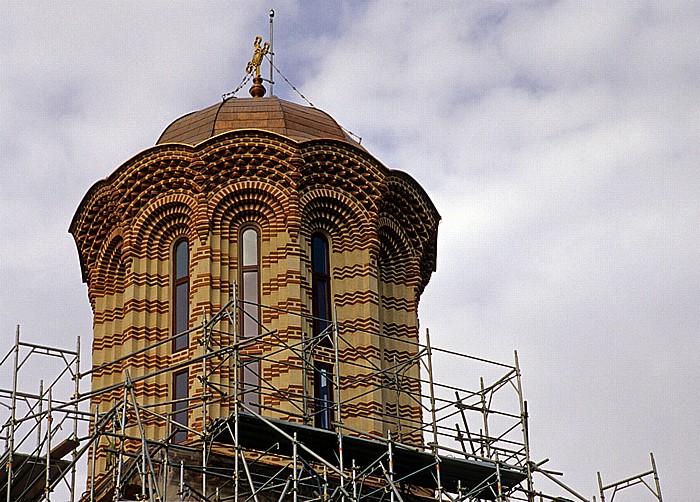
(254, 64)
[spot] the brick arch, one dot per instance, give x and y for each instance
(406, 202)
(110, 268)
(397, 261)
(91, 236)
(164, 219)
(144, 179)
(345, 169)
(251, 201)
(121, 198)
(344, 220)
(256, 156)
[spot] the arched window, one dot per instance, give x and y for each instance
(250, 281)
(181, 293)
(320, 283)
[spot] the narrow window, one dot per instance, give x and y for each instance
(250, 383)
(323, 395)
(180, 301)
(320, 283)
(250, 281)
(180, 395)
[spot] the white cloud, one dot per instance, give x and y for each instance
(557, 139)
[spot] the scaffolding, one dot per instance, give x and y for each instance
(453, 443)
(649, 479)
(33, 468)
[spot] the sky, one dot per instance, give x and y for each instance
(559, 141)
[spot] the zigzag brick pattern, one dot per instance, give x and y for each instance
(205, 185)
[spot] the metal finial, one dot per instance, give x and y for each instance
(258, 54)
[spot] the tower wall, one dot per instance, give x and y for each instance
(382, 232)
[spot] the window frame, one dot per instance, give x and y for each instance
(324, 407)
(321, 323)
(180, 412)
(249, 392)
(180, 342)
(242, 271)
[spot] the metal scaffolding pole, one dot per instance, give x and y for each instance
(41, 414)
(336, 381)
(118, 485)
(76, 409)
(433, 415)
(523, 425)
(656, 477)
(236, 400)
(13, 417)
(295, 471)
(204, 379)
(49, 430)
(147, 472)
(93, 454)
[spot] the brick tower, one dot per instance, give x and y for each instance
(268, 215)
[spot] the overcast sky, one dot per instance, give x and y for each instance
(559, 141)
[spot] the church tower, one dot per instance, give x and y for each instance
(257, 262)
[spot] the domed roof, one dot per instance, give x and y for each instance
(272, 114)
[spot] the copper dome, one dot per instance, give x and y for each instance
(300, 123)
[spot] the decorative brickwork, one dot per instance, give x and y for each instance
(291, 171)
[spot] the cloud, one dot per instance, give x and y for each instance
(559, 142)
(557, 139)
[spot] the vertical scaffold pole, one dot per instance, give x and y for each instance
(499, 484)
(304, 377)
(112, 447)
(118, 485)
(93, 455)
(398, 399)
(656, 477)
(600, 487)
(295, 471)
(166, 457)
(41, 414)
(76, 397)
(147, 471)
(13, 417)
(236, 390)
(523, 425)
(325, 484)
(433, 414)
(49, 419)
(205, 349)
(354, 481)
(339, 417)
(182, 480)
(391, 465)
(485, 413)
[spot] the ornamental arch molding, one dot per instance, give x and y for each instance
(345, 169)
(346, 222)
(166, 218)
(260, 202)
(396, 260)
(112, 264)
(256, 155)
(159, 171)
